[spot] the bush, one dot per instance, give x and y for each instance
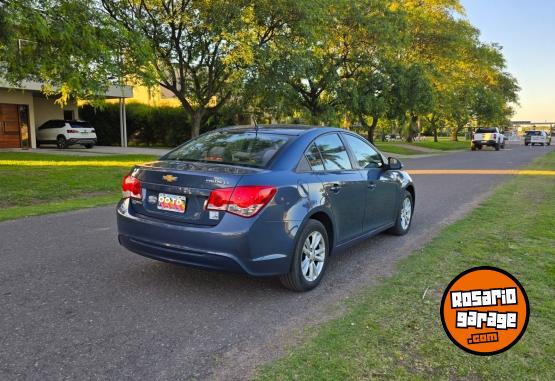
(146, 125)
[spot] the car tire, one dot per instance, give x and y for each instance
(309, 263)
(89, 146)
(61, 142)
(526, 144)
(406, 211)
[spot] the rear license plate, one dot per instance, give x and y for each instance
(172, 202)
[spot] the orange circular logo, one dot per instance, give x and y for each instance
(485, 310)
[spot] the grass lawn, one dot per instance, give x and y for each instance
(33, 184)
(396, 148)
(443, 144)
(392, 332)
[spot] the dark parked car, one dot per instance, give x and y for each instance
(269, 201)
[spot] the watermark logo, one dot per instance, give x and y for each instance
(485, 310)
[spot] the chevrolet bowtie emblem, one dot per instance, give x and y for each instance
(169, 178)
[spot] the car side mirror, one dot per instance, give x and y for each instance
(393, 164)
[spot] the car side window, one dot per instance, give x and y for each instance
(314, 159)
(366, 156)
(334, 153)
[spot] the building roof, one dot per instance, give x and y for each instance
(113, 91)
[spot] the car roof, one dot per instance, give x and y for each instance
(68, 120)
(282, 129)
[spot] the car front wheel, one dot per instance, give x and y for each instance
(310, 258)
(404, 217)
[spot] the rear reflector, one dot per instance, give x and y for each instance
(131, 187)
(244, 201)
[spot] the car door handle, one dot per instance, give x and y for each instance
(335, 188)
(372, 185)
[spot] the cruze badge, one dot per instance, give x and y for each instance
(215, 180)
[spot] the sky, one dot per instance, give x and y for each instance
(526, 30)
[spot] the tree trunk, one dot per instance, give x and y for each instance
(434, 128)
(413, 128)
(365, 125)
(455, 134)
(198, 115)
(372, 128)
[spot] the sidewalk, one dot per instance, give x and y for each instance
(95, 151)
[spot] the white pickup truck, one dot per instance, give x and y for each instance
(487, 136)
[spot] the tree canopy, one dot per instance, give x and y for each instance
(324, 62)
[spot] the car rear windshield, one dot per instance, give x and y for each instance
(485, 130)
(536, 133)
(76, 124)
(245, 148)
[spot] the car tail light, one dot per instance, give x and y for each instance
(131, 187)
(72, 131)
(495, 136)
(244, 201)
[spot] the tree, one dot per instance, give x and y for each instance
(365, 90)
(61, 44)
(199, 50)
(303, 71)
(327, 61)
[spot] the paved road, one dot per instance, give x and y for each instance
(74, 305)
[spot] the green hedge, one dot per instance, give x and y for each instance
(146, 125)
(153, 126)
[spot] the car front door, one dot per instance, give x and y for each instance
(381, 191)
(343, 184)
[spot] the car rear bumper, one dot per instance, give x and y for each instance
(81, 141)
(236, 244)
(490, 143)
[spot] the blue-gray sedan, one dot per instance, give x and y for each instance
(268, 201)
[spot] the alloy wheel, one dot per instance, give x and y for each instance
(313, 256)
(406, 213)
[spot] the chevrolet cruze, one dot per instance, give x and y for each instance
(267, 201)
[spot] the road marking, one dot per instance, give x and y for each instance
(526, 172)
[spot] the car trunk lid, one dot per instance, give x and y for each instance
(191, 182)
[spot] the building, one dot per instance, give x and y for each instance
(155, 96)
(521, 126)
(25, 108)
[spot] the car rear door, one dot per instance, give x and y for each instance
(343, 184)
(381, 192)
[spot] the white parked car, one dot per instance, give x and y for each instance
(64, 133)
(537, 137)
